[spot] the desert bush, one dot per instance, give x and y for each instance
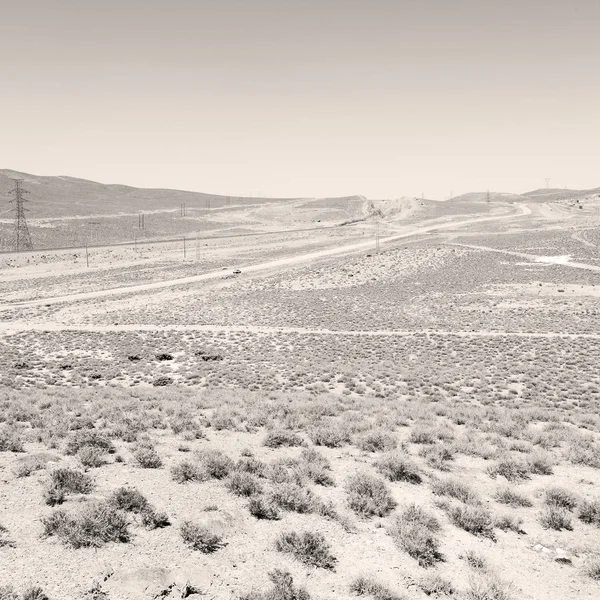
(437, 456)
(88, 438)
(200, 537)
(560, 497)
(250, 464)
(7, 592)
(414, 531)
(474, 519)
(368, 495)
(592, 568)
(263, 507)
(398, 467)
(540, 464)
(331, 436)
(377, 441)
(510, 469)
(475, 561)
(589, 512)
(10, 441)
(66, 481)
(488, 587)
(509, 523)
(585, 453)
(34, 593)
(554, 517)
(91, 457)
(308, 547)
(365, 586)
(282, 437)
(93, 526)
(243, 484)
(454, 488)
(162, 381)
(216, 463)
(5, 541)
(147, 458)
(162, 356)
(129, 500)
(511, 497)
(434, 585)
(293, 497)
(188, 470)
(283, 589)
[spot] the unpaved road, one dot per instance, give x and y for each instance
(265, 266)
(20, 326)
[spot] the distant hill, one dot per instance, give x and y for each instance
(555, 194)
(70, 196)
(483, 196)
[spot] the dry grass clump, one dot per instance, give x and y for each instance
(589, 512)
(91, 457)
(592, 568)
(66, 481)
(398, 467)
(506, 495)
(264, 507)
(132, 501)
(283, 589)
(377, 441)
(509, 523)
(454, 488)
(488, 587)
(475, 560)
(427, 434)
(147, 458)
(250, 464)
(10, 441)
(316, 467)
(7, 592)
(437, 456)
(88, 438)
(368, 495)
(295, 498)
(282, 437)
(308, 547)
(474, 519)
(414, 531)
(540, 464)
(557, 518)
(585, 453)
(330, 435)
(215, 463)
(560, 498)
(5, 541)
(92, 526)
(244, 484)
(365, 586)
(434, 585)
(200, 537)
(188, 470)
(510, 469)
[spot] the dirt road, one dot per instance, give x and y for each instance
(265, 266)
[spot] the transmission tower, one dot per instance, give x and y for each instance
(22, 240)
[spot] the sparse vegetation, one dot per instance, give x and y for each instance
(369, 496)
(308, 547)
(200, 537)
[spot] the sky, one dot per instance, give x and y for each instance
(304, 98)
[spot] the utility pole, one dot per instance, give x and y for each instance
(182, 210)
(547, 180)
(184, 250)
(22, 237)
(377, 235)
(141, 221)
(87, 257)
(208, 203)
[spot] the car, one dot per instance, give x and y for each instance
(237, 272)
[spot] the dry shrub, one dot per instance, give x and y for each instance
(368, 495)
(330, 435)
(474, 519)
(308, 547)
(200, 537)
(554, 517)
(510, 469)
(245, 484)
(398, 467)
(589, 512)
(66, 481)
(282, 437)
(511, 497)
(377, 441)
(434, 585)
(365, 586)
(560, 498)
(93, 526)
(454, 488)
(147, 458)
(414, 530)
(283, 589)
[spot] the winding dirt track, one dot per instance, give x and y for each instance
(17, 327)
(265, 266)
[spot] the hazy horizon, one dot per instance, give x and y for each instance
(284, 98)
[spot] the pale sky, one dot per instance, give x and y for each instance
(312, 98)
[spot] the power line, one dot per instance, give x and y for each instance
(22, 237)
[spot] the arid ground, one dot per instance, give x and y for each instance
(336, 420)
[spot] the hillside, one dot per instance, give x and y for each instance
(555, 194)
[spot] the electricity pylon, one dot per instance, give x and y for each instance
(22, 239)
